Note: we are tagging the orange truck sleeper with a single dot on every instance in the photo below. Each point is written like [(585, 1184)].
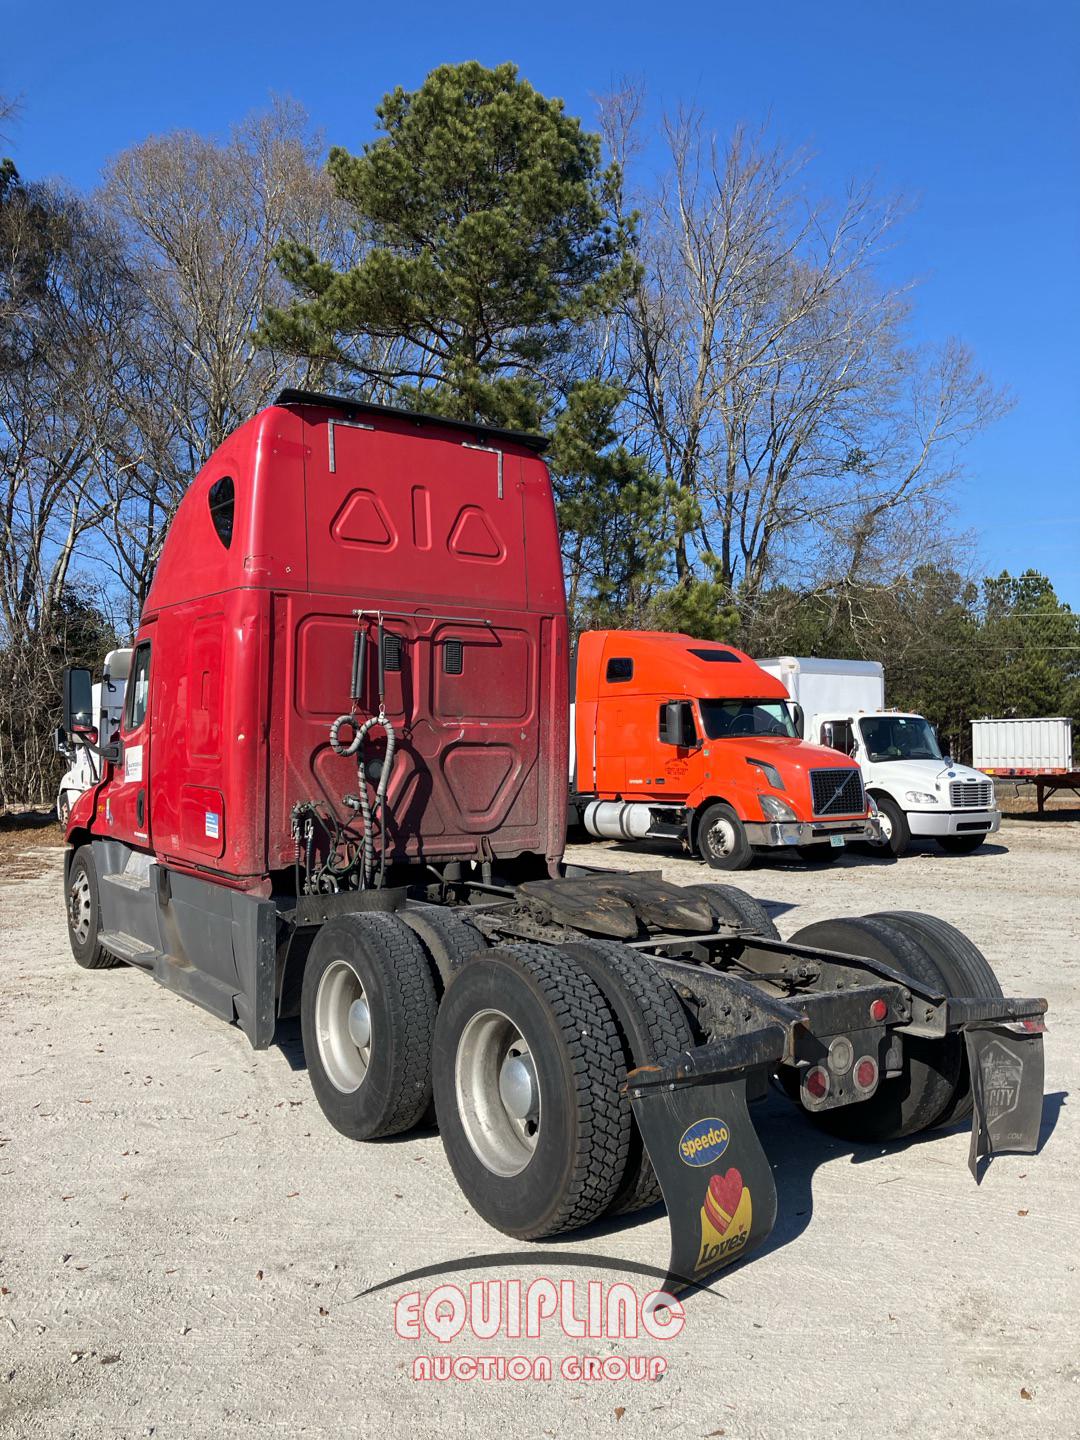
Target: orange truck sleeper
[(691, 740)]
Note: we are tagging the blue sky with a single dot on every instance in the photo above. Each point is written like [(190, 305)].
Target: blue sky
[(970, 109)]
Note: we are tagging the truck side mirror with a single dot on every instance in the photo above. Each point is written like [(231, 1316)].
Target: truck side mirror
[(799, 718), (679, 724), (78, 702)]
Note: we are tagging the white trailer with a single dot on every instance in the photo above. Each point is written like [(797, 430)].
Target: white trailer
[(84, 766), (1039, 750), (1023, 747), (918, 790)]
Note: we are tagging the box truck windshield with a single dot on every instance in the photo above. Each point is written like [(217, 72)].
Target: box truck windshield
[(899, 737), (725, 718)]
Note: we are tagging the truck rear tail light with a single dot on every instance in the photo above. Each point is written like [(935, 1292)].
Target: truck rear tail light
[(841, 1054), (878, 1010), (816, 1084), (866, 1075)]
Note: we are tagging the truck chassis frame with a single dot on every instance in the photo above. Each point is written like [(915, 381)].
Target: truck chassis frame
[(831, 1026)]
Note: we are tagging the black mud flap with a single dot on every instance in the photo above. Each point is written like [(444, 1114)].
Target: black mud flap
[(1006, 1063), (716, 1179)]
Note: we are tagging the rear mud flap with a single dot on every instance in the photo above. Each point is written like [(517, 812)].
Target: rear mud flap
[(716, 1179), (1006, 1065)]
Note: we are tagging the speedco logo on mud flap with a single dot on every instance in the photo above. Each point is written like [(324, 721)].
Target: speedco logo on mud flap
[(726, 1217), (704, 1141)]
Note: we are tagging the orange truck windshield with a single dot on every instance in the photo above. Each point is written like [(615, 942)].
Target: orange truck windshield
[(726, 719)]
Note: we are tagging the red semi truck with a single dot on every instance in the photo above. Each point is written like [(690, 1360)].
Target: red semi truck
[(690, 740), (339, 790)]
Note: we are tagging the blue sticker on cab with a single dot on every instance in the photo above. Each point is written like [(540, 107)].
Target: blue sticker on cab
[(704, 1141)]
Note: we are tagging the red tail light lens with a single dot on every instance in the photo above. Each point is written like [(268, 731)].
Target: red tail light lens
[(878, 1011), (866, 1074), (816, 1082)]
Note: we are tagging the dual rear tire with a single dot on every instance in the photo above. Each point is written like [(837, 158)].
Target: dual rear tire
[(933, 1088), (524, 1049)]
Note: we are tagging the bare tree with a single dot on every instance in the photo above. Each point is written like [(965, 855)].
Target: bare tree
[(769, 375), (66, 307), (202, 220)]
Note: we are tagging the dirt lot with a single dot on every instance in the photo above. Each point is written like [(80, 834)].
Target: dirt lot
[(184, 1242)]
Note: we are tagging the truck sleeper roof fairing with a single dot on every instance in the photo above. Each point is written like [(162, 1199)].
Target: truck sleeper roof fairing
[(538, 443), (669, 664)]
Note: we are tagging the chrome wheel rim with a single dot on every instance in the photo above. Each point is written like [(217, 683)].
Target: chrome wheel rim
[(498, 1095), (885, 824), (343, 1027), (721, 837), (79, 907)]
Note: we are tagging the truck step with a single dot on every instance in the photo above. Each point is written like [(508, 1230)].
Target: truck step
[(127, 947), (129, 879)]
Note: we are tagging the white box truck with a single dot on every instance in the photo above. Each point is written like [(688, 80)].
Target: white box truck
[(918, 791)]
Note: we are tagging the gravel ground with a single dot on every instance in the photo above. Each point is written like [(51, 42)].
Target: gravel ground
[(184, 1242)]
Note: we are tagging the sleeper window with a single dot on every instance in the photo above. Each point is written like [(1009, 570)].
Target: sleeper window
[(138, 687), (222, 500)]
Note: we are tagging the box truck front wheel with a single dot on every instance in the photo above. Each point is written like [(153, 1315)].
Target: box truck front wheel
[(367, 1015), (895, 833), (84, 913), (721, 839), (527, 1068)]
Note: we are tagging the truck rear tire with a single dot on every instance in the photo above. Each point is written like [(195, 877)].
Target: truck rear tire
[(735, 907), (367, 1016), (960, 844), (448, 939), (966, 971), (527, 1067), (895, 831), (917, 1098), (84, 913), (721, 839), (652, 1026)]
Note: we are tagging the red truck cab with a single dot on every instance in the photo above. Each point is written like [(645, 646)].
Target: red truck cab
[(691, 740), (332, 559)]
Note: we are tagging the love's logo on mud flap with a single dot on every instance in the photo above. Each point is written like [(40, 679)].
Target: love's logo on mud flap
[(726, 1217), (704, 1141)]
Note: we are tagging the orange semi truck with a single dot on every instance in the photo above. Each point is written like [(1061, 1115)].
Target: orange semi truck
[(691, 741)]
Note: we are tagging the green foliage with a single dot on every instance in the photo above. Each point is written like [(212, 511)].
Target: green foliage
[(490, 235), (952, 651), (696, 607), (612, 510)]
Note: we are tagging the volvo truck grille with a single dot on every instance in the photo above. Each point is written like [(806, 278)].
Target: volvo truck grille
[(837, 792)]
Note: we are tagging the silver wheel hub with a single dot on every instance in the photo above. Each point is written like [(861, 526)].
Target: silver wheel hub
[(498, 1094), (343, 1027), (79, 907), (517, 1087), (722, 837), (360, 1024)]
